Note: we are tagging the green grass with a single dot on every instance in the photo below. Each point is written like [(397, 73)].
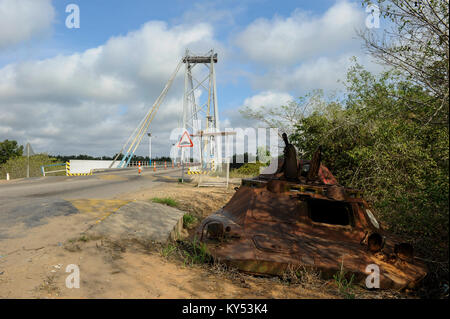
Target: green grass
[(168, 250), (166, 201), (345, 286), (190, 252), (83, 238), (196, 252), (189, 220)]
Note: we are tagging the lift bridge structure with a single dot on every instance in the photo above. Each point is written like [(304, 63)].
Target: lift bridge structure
[(198, 109)]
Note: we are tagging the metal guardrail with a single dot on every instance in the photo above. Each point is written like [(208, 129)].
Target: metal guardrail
[(55, 171), (157, 168)]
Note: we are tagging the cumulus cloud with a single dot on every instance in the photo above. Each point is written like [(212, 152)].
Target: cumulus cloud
[(90, 102), (283, 41), (305, 51), (255, 133), (232, 118), (268, 99), (21, 20), (327, 73)]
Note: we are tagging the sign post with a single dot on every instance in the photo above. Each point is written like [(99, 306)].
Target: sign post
[(185, 141)]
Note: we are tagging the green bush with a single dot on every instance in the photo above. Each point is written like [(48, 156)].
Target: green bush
[(247, 170)]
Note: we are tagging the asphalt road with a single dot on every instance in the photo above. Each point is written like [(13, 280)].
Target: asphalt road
[(30, 202)]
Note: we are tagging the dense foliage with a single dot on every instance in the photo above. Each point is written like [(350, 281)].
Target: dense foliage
[(375, 141), (9, 149)]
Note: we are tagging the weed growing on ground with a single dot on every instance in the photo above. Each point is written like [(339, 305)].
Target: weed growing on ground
[(189, 220), (83, 238), (166, 201), (345, 286), (196, 253), (191, 253), (304, 276), (168, 250)]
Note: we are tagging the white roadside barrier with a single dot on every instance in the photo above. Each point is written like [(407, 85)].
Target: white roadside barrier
[(85, 167)]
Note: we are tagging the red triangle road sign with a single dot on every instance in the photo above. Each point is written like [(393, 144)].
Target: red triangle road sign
[(185, 140)]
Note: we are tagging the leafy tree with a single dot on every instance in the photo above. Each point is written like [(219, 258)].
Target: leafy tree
[(417, 45), (284, 117), (9, 149)]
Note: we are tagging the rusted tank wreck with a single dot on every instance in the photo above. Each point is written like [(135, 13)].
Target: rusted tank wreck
[(302, 216)]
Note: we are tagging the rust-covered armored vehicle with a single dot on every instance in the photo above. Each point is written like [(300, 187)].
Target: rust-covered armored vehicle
[(301, 216)]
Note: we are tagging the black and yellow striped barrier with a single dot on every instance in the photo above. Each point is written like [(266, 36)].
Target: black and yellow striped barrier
[(197, 172), (68, 173)]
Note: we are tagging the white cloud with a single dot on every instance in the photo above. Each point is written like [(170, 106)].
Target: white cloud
[(282, 41), (305, 51), (233, 119), (268, 99), (74, 104), (21, 20), (89, 102), (325, 73)]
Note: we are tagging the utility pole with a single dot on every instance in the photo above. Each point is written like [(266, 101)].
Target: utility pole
[(28, 160), (29, 151)]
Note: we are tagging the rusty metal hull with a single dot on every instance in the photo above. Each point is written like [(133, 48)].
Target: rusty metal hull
[(269, 225)]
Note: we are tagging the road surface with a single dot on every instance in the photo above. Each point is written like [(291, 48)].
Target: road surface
[(31, 202), (44, 220)]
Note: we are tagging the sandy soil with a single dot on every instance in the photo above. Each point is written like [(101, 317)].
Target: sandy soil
[(36, 265)]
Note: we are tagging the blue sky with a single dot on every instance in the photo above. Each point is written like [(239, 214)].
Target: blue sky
[(83, 90)]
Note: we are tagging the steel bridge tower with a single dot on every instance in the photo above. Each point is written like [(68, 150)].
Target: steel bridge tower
[(200, 115), (201, 111)]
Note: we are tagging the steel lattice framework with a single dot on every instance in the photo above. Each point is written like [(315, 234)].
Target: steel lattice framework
[(196, 106), (200, 112)]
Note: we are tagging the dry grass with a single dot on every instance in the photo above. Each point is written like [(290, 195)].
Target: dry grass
[(306, 277)]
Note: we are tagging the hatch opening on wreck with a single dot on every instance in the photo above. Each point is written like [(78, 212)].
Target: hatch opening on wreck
[(330, 212)]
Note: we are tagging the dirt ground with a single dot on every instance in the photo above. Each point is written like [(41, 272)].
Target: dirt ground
[(36, 267)]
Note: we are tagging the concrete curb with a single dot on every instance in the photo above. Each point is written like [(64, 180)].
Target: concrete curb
[(142, 221)]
